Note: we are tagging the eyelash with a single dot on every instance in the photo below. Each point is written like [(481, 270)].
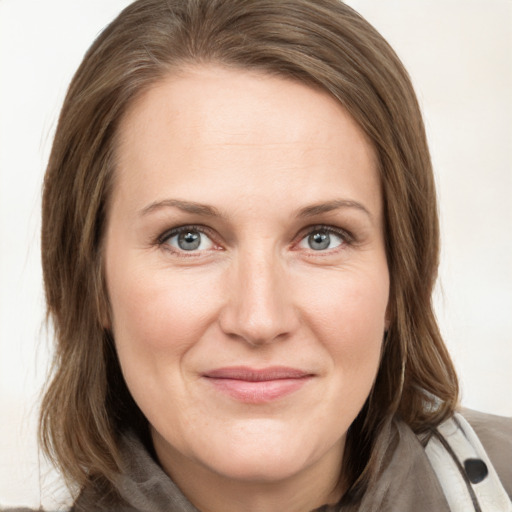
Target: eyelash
[(346, 237), (167, 235)]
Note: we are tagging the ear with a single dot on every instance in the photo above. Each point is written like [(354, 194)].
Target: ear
[(389, 316), (103, 308), (102, 302), (103, 312), (105, 318)]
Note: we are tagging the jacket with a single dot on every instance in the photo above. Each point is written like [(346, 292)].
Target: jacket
[(407, 480)]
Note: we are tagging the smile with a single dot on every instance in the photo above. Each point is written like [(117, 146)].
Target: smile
[(256, 386)]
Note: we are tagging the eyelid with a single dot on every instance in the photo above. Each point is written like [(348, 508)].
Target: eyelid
[(166, 235), (346, 236)]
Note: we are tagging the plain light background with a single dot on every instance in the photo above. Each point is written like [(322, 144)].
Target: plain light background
[(459, 54)]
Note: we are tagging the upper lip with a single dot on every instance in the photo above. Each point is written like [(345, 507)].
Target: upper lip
[(257, 374)]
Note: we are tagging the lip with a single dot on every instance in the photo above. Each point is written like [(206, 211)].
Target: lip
[(256, 386)]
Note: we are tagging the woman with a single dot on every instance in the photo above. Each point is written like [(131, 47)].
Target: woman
[(240, 242)]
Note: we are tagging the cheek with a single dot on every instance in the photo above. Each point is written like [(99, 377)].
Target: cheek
[(348, 315), (159, 313), (347, 298), (158, 318)]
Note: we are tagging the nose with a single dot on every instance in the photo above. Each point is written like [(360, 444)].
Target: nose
[(259, 308)]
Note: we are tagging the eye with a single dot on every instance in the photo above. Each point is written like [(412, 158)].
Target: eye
[(321, 239), (188, 239)]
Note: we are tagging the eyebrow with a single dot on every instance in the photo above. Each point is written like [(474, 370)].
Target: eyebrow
[(186, 206), (211, 211), (329, 206)]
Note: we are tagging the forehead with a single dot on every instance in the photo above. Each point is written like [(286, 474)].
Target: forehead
[(246, 130)]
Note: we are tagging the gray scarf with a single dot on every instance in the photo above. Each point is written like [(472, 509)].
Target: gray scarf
[(405, 481)]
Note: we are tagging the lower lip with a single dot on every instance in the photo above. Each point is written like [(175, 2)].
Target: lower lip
[(259, 392)]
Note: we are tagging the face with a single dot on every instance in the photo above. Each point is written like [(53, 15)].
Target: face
[(246, 273)]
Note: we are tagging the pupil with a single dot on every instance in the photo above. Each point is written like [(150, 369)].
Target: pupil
[(189, 240), (319, 241)]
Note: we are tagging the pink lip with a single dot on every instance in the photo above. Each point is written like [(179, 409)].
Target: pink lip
[(256, 386)]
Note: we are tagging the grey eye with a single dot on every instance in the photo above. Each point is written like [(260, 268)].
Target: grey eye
[(320, 240), (190, 240)]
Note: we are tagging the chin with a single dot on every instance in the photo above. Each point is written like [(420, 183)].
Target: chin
[(258, 466), (269, 452)]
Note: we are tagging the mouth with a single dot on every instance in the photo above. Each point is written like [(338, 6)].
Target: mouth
[(256, 386)]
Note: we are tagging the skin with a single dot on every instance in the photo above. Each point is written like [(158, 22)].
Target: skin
[(260, 151)]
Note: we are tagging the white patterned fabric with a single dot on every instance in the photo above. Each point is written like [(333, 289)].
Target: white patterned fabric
[(451, 451)]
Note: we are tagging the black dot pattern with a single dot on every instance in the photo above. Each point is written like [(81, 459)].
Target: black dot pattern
[(476, 470)]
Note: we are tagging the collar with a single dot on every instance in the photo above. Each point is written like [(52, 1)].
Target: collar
[(404, 480)]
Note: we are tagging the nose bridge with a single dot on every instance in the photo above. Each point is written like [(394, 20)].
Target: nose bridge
[(260, 308)]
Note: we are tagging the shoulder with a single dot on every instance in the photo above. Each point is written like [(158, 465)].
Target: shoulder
[(21, 509), (470, 454), (495, 434), (489, 427)]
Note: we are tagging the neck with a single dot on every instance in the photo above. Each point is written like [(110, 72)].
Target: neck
[(262, 498)]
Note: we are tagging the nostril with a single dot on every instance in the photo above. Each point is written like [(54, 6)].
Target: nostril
[(258, 307)]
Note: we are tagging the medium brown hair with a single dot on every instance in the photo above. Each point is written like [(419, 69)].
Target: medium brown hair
[(323, 43)]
